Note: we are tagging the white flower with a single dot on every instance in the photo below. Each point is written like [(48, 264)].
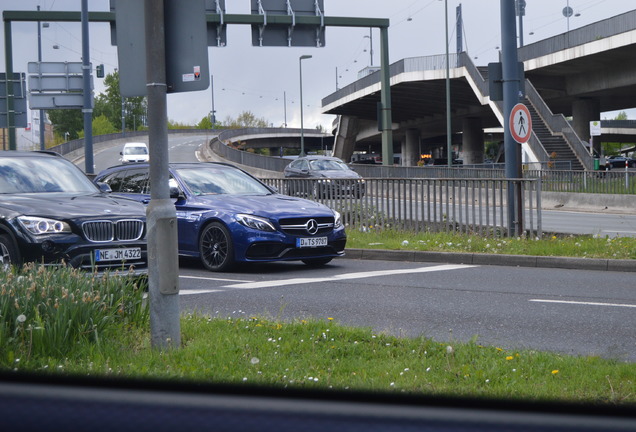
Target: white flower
[(21, 318), (244, 379), (449, 349), (405, 243), (255, 360)]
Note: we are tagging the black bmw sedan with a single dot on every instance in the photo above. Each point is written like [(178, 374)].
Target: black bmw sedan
[(51, 213)]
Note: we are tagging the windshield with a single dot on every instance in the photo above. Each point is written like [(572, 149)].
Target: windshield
[(327, 165), (211, 180), (137, 150), (41, 174)]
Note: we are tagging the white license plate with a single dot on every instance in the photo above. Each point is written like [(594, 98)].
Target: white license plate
[(120, 254), (308, 242)]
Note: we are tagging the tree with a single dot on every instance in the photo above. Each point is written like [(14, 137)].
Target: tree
[(621, 116), (103, 126), (205, 123), (244, 120), (109, 104), (65, 121)]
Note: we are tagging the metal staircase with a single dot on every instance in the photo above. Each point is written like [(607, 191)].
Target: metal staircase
[(555, 146)]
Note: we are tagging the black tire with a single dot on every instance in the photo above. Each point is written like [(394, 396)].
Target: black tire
[(8, 253), (317, 262), (216, 248)]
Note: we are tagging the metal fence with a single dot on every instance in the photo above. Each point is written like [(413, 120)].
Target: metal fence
[(472, 206), (615, 181)]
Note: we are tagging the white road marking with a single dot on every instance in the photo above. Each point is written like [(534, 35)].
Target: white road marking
[(199, 291), (584, 303), (212, 279), (346, 276)]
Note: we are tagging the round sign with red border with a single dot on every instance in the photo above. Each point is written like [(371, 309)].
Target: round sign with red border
[(520, 123)]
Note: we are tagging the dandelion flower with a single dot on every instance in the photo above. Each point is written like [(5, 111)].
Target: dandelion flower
[(554, 372), (255, 360), (449, 349), (509, 358), (21, 318), (330, 319)]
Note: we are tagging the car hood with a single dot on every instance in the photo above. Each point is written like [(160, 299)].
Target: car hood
[(66, 206), (273, 206), (337, 174)]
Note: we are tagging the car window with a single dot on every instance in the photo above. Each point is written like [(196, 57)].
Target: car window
[(136, 150), (136, 181), (211, 180), (327, 165), (114, 180), (42, 175)]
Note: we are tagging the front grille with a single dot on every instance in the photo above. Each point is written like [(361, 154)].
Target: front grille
[(298, 226), (106, 230)]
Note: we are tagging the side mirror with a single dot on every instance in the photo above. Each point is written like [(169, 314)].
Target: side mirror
[(175, 192), (104, 187)]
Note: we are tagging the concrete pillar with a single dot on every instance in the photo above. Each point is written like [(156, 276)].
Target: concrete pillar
[(473, 141), (345, 139), (411, 147), (583, 112)]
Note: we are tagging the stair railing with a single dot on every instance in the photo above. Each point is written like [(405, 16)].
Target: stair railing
[(558, 125)]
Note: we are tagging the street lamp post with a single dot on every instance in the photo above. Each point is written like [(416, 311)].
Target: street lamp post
[(41, 125), (302, 134), (449, 141)]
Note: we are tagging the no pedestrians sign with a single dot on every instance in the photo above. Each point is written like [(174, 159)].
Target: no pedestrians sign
[(520, 123)]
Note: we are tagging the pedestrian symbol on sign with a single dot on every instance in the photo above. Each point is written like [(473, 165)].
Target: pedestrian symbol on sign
[(520, 123)]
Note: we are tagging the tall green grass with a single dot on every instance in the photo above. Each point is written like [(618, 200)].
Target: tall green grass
[(49, 312)]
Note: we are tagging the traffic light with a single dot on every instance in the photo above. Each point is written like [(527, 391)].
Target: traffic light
[(99, 69)]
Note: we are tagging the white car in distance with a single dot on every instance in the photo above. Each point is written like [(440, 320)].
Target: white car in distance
[(134, 152)]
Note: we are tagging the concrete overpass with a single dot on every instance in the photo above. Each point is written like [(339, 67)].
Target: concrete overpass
[(578, 74)]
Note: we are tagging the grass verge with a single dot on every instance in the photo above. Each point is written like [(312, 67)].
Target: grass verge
[(551, 245)]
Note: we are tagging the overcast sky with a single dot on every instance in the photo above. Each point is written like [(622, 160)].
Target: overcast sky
[(260, 79)]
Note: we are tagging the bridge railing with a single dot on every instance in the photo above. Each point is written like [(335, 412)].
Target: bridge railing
[(470, 206)]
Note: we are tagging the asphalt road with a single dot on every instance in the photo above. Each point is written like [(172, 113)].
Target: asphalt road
[(569, 311)]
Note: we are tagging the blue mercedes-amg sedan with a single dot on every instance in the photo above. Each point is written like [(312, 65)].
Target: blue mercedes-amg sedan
[(226, 216)]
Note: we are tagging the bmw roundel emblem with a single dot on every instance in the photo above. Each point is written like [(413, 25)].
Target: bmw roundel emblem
[(312, 226)]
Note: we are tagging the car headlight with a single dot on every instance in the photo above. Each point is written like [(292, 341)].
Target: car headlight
[(39, 225), (337, 221), (255, 222), (324, 181)]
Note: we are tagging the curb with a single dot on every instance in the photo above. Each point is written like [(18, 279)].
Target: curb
[(494, 259)]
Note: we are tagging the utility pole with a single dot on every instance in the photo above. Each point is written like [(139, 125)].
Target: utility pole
[(163, 260), (41, 125), (511, 85), (88, 103)]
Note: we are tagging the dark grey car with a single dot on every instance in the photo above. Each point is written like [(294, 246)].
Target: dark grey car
[(323, 177)]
